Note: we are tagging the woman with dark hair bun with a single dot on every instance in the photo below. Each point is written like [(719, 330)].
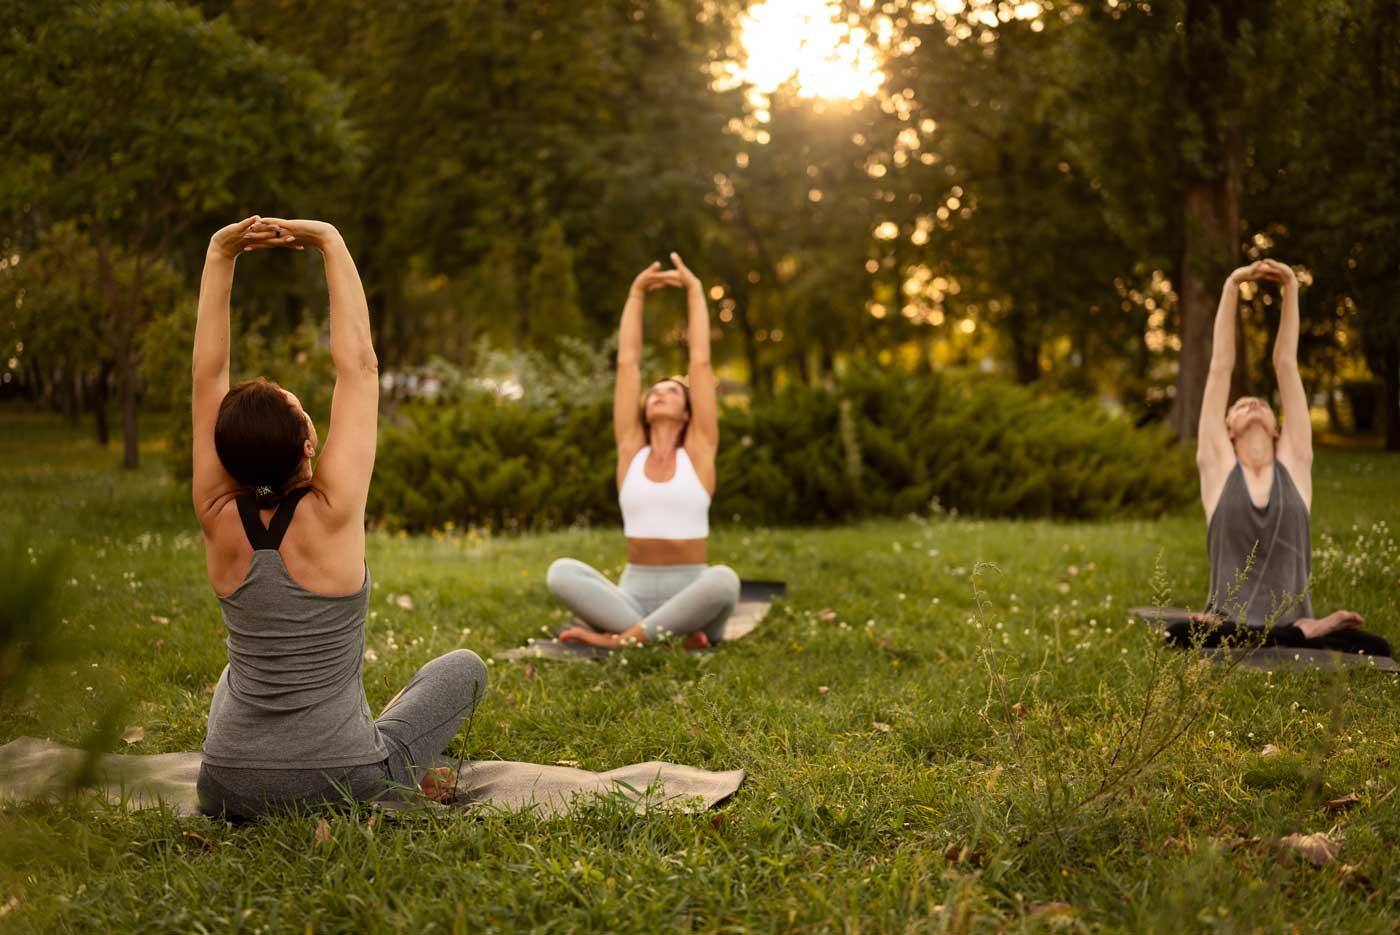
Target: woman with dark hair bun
[(666, 445), (289, 725)]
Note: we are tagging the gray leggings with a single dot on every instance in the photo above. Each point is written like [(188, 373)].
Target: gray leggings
[(416, 727), (677, 599)]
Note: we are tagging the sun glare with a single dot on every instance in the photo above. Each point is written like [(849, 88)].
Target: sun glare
[(808, 42)]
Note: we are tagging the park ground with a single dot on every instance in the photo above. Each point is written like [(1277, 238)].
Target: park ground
[(949, 724)]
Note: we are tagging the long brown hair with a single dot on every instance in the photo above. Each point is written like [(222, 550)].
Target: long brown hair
[(260, 438)]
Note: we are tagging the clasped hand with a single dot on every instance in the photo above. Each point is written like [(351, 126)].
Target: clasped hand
[(263, 233)]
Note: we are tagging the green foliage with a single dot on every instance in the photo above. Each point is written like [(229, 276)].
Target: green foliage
[(552, 299), (908, 445), (884, 793)]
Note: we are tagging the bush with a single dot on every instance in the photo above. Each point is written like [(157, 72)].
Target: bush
[(882, 443)]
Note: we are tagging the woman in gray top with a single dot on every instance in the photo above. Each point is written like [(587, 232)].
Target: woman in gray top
[(1256, 487), (289, 725)]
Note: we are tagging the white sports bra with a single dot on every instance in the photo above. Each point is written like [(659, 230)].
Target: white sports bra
[(676, 509)]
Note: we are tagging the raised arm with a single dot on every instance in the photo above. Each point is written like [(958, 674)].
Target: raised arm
[(1295, 441), (702, 438), (209, 370), (347, 459), (1215, 454), (627, 391)]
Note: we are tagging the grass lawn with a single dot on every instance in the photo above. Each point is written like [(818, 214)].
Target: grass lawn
[(918, 761)]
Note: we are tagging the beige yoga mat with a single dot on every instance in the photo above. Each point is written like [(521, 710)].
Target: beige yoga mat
[(755, 598), (33, 769)]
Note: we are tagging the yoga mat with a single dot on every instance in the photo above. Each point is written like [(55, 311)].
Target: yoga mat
[(32, 769), (755, 597), (1269, 658)]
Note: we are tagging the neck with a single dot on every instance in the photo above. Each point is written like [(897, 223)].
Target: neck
[(665, 437), (1255, 448)]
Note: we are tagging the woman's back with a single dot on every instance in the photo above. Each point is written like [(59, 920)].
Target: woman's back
[(292, 694)]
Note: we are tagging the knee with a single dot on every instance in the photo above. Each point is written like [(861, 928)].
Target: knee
[(467, 670), (725, 582), (560, 571)]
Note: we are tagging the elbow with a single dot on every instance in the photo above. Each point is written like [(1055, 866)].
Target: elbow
[(358, 363), (1285, 363)]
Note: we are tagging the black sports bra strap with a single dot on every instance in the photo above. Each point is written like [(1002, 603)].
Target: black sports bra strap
[(269, 536)]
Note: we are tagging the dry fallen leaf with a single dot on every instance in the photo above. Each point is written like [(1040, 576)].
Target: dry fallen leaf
[(163, 621), (1018, 709), (827, 614), (881, 726), (1343, 803), (323, 832), (134, 734), (9, 906), (823, 689), (1269, 750), (1318, 849), (529, 671), (1351, 876), (1051, 909), (373, 820)]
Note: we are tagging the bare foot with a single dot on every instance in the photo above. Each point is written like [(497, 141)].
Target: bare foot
[(591, 637), (438, 784), (1337, 620), (697, 640)]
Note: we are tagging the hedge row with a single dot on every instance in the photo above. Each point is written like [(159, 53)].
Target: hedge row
[(879, 444)]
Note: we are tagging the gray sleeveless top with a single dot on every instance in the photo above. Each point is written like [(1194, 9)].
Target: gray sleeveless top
[(1279, 579), (292, 695)]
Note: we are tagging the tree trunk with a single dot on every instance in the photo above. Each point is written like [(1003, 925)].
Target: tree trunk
[(99, 402), (1211, 247), (126, 380), (1026, 351), (1334, 418), (67, 383), (741, 315), (1390, 397)]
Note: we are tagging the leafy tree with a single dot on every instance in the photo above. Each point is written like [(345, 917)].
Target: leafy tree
[(139, 121), (553, 301)]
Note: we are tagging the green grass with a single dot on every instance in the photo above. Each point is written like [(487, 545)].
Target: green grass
[(982, 805)]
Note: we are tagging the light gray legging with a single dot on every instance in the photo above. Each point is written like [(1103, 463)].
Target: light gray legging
[(677, 599)]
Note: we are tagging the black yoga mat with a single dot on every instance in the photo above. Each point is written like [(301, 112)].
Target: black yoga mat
[(1269, 658)]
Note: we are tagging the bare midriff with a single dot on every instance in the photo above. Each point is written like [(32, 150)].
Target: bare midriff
[(666, 551)]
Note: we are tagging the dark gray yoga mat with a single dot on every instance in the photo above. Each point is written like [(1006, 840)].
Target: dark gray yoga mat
[(1269, 658), (32, 769), (755, 597)]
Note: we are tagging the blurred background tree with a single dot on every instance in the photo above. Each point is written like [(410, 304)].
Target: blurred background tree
[(1050, 192)]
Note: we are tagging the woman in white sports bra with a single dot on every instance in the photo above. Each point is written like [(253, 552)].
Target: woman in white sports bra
[(666, 448)]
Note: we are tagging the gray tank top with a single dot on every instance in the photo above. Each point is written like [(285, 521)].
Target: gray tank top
[(292, 695), (1282, 561)]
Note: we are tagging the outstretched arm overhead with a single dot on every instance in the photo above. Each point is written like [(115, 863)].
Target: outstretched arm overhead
[(627, 391), (1295, 441), (702, 438), (1215, 455), (347, 459), (209, 369)]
